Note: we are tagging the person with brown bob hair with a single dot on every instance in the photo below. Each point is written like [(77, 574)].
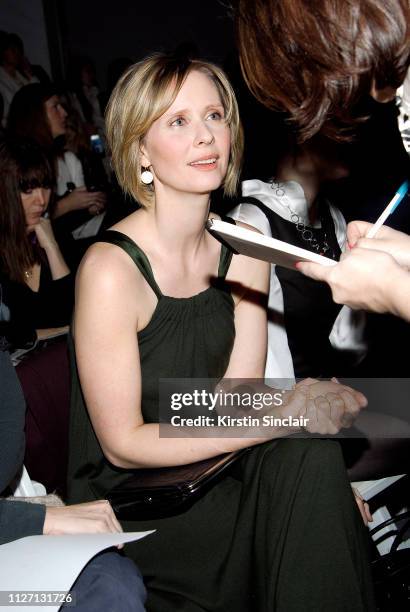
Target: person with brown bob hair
[(159, 297), (315, 60)]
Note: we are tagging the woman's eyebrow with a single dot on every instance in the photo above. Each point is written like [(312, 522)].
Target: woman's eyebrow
[(187, 110), (176, 112), (214, 105)]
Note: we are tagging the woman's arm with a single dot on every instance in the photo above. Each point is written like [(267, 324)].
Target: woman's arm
[(47, 241), (19, 519), (80, 199), (249, 279)]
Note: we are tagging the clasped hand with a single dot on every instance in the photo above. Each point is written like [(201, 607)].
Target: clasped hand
[(327, 406)]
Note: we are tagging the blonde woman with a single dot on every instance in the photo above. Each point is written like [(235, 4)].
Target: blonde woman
[(160, 298)]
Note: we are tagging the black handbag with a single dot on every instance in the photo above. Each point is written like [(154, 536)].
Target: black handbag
[(160, 492)]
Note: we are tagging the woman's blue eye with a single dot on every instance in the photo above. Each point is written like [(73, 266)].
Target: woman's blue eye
[(178, 121), (215, 115)]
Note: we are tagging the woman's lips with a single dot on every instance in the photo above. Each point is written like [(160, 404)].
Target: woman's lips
[(207, 163)]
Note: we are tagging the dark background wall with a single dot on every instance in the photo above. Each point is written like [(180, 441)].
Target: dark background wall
[(107, 29)]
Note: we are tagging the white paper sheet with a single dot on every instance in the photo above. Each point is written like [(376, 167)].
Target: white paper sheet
[(262, 247), (51, 563)]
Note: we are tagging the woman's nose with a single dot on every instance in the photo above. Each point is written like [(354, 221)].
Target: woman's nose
[(41, 196), (204, 134)]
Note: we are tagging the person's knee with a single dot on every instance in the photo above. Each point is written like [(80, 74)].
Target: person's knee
[(111, 581)]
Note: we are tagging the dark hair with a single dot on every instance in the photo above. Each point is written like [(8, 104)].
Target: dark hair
[(316, 59), (23, 166), (6, 42), (27, 119)]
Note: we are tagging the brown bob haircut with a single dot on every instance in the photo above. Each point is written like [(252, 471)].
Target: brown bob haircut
[(144, 93), (314, 59)]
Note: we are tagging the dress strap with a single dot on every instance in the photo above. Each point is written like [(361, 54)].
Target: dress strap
[(137, 255), (226, 254)]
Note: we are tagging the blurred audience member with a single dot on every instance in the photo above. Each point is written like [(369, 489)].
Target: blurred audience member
[(308, 335), (30, 259), (78, 142), (109, 581), (82, 82), (32, 72), (37, 114), (11, 78)]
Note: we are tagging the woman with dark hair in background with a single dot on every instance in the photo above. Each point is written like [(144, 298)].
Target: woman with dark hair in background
[(41, 286), (37, 114)]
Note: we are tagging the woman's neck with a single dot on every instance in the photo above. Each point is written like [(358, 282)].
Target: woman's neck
[(302, 170), (179, 220)]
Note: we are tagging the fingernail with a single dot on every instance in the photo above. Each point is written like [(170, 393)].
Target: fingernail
[(364, 399)]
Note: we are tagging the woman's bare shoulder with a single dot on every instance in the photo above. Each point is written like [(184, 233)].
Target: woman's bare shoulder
[(108, 267)]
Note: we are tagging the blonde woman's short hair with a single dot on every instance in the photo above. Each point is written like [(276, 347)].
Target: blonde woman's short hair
[(144, 93)]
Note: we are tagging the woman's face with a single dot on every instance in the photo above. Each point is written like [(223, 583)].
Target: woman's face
[(188, 147), (35, 202), (56, 116)]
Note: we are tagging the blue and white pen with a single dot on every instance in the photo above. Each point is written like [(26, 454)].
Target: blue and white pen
[(391, 206)]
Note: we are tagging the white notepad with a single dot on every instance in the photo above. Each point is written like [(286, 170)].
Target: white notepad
[(254, 244)]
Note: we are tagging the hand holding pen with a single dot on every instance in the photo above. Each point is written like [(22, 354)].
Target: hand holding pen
[(373, 273), (391, 241)]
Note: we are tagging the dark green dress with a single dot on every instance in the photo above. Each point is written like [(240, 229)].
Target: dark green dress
[(280, 532)]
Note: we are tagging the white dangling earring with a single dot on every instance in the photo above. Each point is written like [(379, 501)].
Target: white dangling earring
[(147, 177)]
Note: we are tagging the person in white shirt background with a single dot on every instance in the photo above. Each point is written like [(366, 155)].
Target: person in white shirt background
[(11, 79)]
